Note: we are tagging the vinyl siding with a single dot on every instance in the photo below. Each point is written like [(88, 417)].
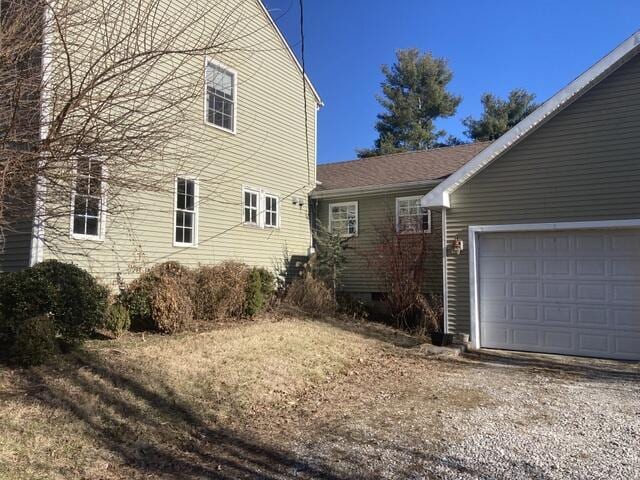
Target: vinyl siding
[(583, 164), (375, 213), (268, 151)]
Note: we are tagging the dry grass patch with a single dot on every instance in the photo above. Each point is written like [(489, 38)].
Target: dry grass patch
[(166, 406)]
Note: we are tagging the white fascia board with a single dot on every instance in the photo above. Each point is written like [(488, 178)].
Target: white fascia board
[(293, 55), (439, 196)]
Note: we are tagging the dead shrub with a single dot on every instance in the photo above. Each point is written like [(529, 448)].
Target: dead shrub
[(311, 296), (153, 298), (171, 309), (221, 291)]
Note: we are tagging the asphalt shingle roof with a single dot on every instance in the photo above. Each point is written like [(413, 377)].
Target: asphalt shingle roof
[(434, 164)]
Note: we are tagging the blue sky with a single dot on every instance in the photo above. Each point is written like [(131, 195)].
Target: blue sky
[(491, 46)]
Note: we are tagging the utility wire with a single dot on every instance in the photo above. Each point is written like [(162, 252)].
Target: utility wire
[(304, 93)]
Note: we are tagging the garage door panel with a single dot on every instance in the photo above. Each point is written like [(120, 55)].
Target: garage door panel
[(574, 292)]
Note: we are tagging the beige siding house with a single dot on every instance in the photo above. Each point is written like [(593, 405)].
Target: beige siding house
[(549, 217), (368, 197), (243, 192)]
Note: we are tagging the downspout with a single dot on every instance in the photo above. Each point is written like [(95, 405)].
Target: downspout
[(445, 292), (36, 254)]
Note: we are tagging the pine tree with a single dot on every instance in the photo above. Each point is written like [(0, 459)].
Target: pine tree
[(414, 95), (499, 115), (330, 256)]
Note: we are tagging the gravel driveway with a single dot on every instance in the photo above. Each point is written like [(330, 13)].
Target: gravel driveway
[(489, 415)]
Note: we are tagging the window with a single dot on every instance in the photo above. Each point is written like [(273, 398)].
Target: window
[(270, 211), (88, 200), (343, 218), (250, 200), (220, 96), (411, 216), (186, 206)]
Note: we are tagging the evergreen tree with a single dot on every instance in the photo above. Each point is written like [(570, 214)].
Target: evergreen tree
[(414, 95), (499, 115), (330, 257)]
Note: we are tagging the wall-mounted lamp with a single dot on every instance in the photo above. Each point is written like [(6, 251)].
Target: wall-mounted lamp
[(457, 246)]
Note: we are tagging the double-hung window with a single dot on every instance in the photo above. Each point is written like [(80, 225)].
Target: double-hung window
[(220, 96), (343, 218), (88, 200), (270, 211), (250, 207), (411, 216), (186, 202)]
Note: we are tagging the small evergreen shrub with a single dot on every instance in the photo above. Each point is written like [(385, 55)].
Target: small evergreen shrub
[(74, 300), (117, 319), (255, 295), (35, 341)]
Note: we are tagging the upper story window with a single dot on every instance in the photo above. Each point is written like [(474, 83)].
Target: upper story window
[(88, 200), (270, 211), (186, 202), (343, 218), (250, 206), (221, 96), (411, 216)]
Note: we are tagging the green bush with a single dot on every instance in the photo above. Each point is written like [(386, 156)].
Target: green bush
[(255, 297), (117, 319), (260, 290), (70, 295), (35, 341)]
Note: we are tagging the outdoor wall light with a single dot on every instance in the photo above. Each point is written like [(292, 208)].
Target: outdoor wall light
[(457, 246)]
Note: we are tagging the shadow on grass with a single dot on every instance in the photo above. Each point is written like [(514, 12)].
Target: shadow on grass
[(588, 368), (154, 433)]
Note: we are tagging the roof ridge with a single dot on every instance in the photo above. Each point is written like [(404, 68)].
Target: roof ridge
[(445, 147)]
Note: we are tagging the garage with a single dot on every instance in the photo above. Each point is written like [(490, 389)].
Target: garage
[(574, 292)]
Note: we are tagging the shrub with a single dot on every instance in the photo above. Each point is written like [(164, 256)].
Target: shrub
[(152, 299), (311, 296), (70, 295), (35, 341), (171, 308), (117, 319), (268, 282), (255, 296), (221, 291)]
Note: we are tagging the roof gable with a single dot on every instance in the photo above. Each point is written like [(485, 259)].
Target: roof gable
[(291, 54), (440, 196)]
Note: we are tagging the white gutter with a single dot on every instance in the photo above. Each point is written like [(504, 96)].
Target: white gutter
[(439, 196), (371, 189), (36, 252)]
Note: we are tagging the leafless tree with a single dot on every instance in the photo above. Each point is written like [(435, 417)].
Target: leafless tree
[(98, 90), (400, 259)]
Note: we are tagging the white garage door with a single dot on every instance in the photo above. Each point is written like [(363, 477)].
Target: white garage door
[(573, 292)]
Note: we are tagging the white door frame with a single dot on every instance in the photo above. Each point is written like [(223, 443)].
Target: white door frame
[(475, 230)]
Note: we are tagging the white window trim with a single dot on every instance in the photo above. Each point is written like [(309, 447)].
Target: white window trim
[(345, 204), (207, 62), (257, 192), (196, 210), (264, 210), (102, 220), (414, 197)]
